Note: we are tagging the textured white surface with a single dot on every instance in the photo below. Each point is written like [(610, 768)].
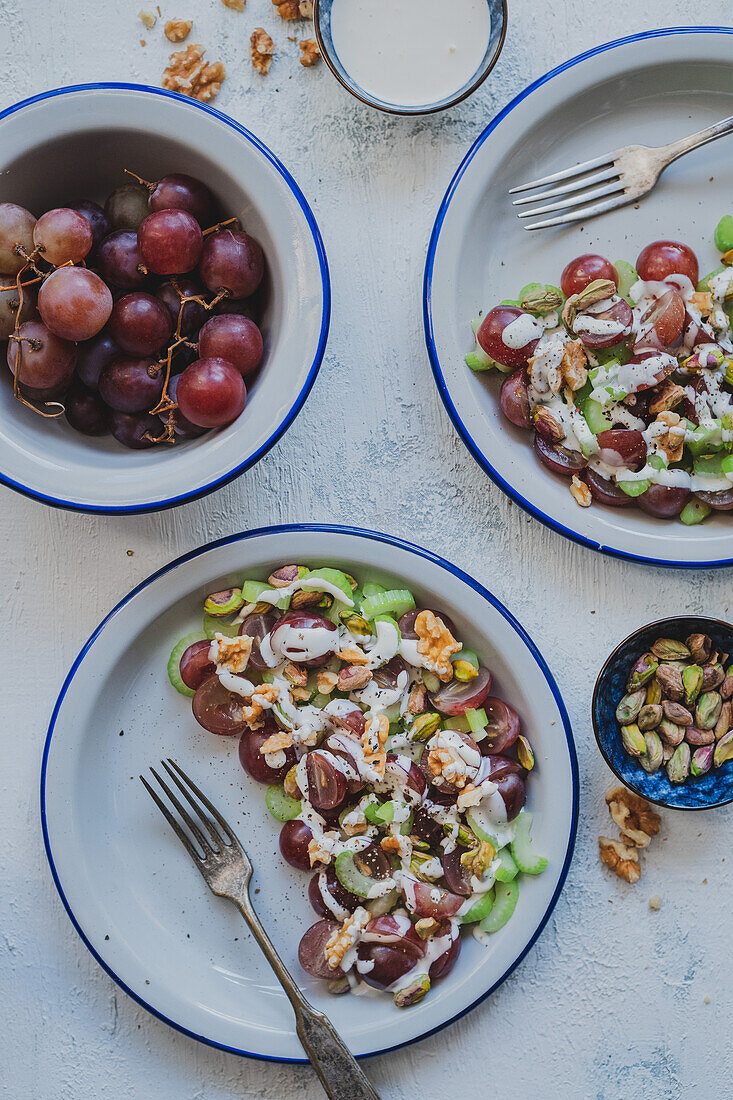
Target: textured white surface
[(611, 1002)]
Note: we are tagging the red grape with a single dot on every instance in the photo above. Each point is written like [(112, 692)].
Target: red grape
[(388, 675), (405, 775), (720, 501), (244, 307), (295, 836), (131, 385), (16, 235), (585, 269), (63, 236), (390, 964), (457, 876), (183, 428), (514, 794), (218, 710), (74, 303), (232, 261), (333, 887), (233, 338), (96, 217), (194, 314), (559, 459), (352, 720), (514, 399), (457, 697), (46, 361), (622, 447), (127, 206), (663, 501), (605, 491), (446, 904), (131, 429), (10, 302), (295, 621), (257, 626), (619, 314), (195, 665), (663, 321), (390, 930), (327, 786), (502, 728), (93, 355), (255, 763), (445, 962), (120, 261), (86, 412), (496, 768), (211, 393), (180, 192), (662, 258), (312, 950), (140, 324), (170, 242), (492, 335)]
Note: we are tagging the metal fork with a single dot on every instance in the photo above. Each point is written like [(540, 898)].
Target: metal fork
[(623, 176), (227, 872)]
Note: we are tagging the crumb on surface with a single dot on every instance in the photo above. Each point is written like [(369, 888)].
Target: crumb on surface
[(148, 19), (655, 903), (235, 5)]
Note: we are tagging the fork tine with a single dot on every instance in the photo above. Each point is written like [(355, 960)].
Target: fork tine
[(187, 819), (185, 840), (567, 188), (566, 173), (584, 212), (575, 200), (229, 835), (211, 832)]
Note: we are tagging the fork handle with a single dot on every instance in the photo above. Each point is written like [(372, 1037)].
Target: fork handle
[(693, 141), (338, 1070)]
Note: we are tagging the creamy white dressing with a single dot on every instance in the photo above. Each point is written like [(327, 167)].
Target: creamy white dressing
[(521, 331), (385, 646), (313, 582), (410, 52), (300, 643)]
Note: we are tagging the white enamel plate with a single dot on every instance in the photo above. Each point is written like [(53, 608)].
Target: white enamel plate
[(130, 888), (649, 89)]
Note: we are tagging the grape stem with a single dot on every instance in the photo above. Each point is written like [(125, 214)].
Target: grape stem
[(145, 183)]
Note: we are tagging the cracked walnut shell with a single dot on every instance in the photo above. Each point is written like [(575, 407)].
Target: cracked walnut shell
[(261, 49), (190, 75), (636, 820), (623, 860)]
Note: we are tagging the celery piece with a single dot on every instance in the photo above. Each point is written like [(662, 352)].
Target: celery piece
[(174, 662), (727, 465), (475, 826), (396, 602), (281, 805), (710, 465), (596, 417), (253, 590), (704, 283), (507, 869), (480, 908), (523, 854), (627, 276), (723, 236), (213, 626), (636, 488), (312, 580), (477, 723), (694, 512), (371, 589), (458, 722), (505, 902)]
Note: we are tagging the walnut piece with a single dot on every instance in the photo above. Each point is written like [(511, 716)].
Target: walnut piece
[(469, 796), (319, 851), (261, 49), (190, 75), (448, 760), (309, 52), (306, 9), (352, 656), (148, 18), (326, 681), (265, 693), (288, 9), (574, 365), (667, 395), (277, 742), (580, 492), (671, 441), (232, 654), (623, 860), (235, 5), (636, 820), (436, 645), (703, 300), (176, 30), (346, 936), (373, 741)]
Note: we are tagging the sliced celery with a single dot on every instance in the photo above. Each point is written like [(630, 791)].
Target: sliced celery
[(477, 723), (213, 626), (371, 589), (596, 417), (395, 602), (505, 902), (507, 869), (476, 827), (627, 276), (704, 283), (311, 581), (457, 722), (694, 512), (174, 662), (523, 854), (252, 591), (281, 805), (480, 908)]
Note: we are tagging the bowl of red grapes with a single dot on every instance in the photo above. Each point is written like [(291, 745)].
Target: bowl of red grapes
[(141, 304)]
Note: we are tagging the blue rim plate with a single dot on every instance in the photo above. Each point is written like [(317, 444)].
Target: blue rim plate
[(70, 835), (465, 199), (312, 371)]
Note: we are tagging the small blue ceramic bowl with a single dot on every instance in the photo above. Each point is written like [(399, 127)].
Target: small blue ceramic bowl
[(322, 21), (698, 792)]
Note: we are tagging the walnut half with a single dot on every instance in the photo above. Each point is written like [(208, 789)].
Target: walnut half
[(190, 75), (261, 49), (623, 860), (309, 52), (636, 820)]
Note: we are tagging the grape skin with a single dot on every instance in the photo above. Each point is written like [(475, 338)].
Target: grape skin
[(74, 303)]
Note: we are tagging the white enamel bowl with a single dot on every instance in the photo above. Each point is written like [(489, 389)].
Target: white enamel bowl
[(74, 143), (130, 888), (651, 89)]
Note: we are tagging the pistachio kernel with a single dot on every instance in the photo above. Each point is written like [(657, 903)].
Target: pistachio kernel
[(413, 993), (713, 676), (357, 624), (290, 783), (226, 602), (707, 711), (700, 647), (702, 760), (630, 706), (678, 766), (643, 670), (596, 291), (649, 717), (725, 721), (671, 732), (464, 671), (651, 760), (696, 736), (654, 693), (464, 836), (542, 299), (424, 726), (633, 740), (723, 750), (668, 649), (676, 713), (352, 581), (726, 688), (525, 753)]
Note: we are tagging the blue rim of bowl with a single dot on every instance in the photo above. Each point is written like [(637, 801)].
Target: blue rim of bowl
[(451, 409), (665, 627), (346, 80), (378, 537), (184, 498)]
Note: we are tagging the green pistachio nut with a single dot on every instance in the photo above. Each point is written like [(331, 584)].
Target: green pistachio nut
[(712, 676), (695, 736), (671, 732), (357, 624), (725, 721), (424, 726), (412, 993), (642, 671), (654, 693), (726, 688), (670, 682), (633, 740), (227, 602), (337, 986), (525, 753), (692, 682), (678, 766), (464, 836), (541, 299), (650, 716), (651, 760), (668, 649), (707, 711), (724, 750), (702, 760), (630, 705), (464, 671)]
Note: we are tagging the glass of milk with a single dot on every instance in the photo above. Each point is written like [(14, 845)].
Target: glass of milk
[(410, 57)]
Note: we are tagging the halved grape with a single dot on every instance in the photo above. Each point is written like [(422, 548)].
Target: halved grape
[(559, 459), (211, 393), (333, 887), (233, 338), (233, 261), (496, 767), (503, 346), (721, 501), (74, 303), (605, 491), (312, 950), (63, 236), (514, 793), (253, 761), (170, 242), (257, 626), (392, 931), (352, 720), (663, 501), (445, 962), (300, 620), (46, 361), (585, 269), (406, 775), (663, 258), (327, 786), (218, 710), (389, 964), (387, 676), (458, 697), (131, 385), (432, 901), (196, 665), (457, 876), (619, 313), (295, 836), (663, 322), (622, 447), (514, 399), (502, 727)]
